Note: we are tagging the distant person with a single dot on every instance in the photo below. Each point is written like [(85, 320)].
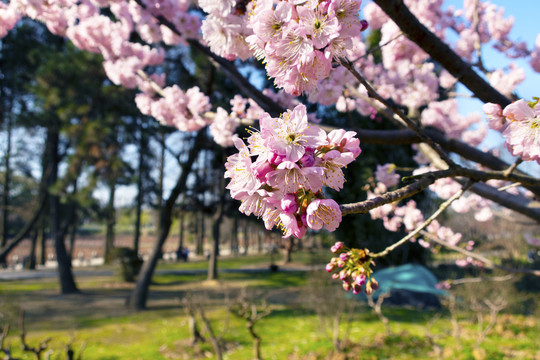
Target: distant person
[(185, 254)]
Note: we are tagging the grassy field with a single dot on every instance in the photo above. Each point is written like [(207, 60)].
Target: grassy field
[(304, 308)]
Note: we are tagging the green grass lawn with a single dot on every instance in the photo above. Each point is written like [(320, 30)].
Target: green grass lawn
[(295, 329)]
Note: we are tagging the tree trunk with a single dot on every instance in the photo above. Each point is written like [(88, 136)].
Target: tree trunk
[(111, 221), (256, 340), (139, 195), (139, 295), (7, 180), (234, 237), (160, 180), (74, 220), (218, 217), (199, 248), (289, 245), (246, 237), (65, 275), (259, 241), (32, 256), (42, 240), (180, 249)]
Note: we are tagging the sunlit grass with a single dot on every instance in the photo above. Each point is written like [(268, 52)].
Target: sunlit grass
[(292, 331)]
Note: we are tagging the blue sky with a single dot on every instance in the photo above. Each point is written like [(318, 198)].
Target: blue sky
[(526, 28)]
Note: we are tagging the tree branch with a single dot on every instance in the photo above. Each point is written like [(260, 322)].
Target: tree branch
[(488, 263), (397, 111), (416, 231), (440, 52)]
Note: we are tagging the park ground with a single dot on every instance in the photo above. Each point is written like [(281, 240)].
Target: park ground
[(305, 308)]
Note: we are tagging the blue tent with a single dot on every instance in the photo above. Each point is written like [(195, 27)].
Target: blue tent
[(410, 277), (409, 284)]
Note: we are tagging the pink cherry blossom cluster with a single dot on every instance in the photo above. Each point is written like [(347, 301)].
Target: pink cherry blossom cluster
[(519, 123), (174, 107), (445, 188), (224, 123), (386, 176), (298, 40), (408, 217), (124, 61), (445, 116), (280, 174), (8, 18), (353, 268), (224, 29)]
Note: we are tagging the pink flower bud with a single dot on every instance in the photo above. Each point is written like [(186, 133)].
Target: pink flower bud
[(330, 267), (335, 276), (344, 256), (347, 286), (356, 289), (337, 246), (343, 274), (360, 279), (307, 159)]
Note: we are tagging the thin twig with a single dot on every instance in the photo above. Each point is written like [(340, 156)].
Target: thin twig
[(416, 231), (487, 263), (372, 50), (410, 123), (480, 279), (512, 167)]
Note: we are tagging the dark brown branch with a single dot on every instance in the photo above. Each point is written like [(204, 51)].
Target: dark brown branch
[(511, 201), (24, 232), (228, 68), (441, 52), (392, 196)]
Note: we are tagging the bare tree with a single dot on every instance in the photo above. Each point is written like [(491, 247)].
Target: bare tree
[(251, 312)]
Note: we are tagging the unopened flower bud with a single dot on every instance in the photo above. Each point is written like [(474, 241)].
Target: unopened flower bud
[(330, 267), (356, 289), (368, 290), (335, 276), (307, 160), (337, 246), (343, 274), (344, 256), (374, 284), (347, 286), (360, 279)]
